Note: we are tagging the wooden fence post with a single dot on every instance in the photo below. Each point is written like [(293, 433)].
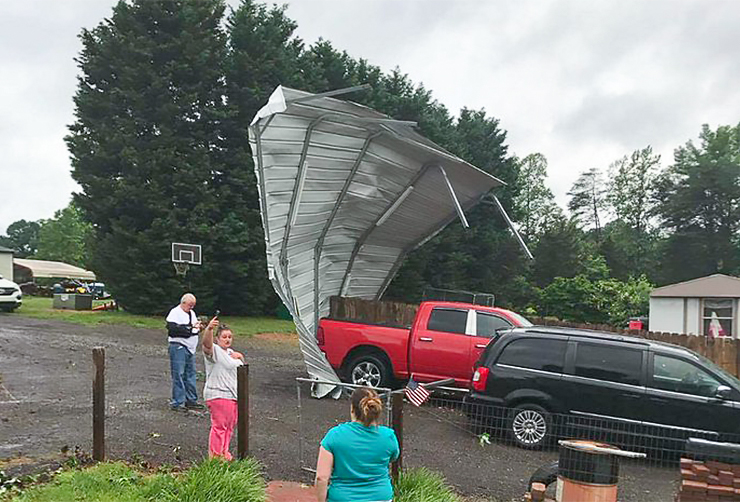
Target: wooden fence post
[(242, 391), (99, 404), (397, 424)]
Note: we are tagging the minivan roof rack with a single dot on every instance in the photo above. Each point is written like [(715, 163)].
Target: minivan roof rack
[(458, 295)]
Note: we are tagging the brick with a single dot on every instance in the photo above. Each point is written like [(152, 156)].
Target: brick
[(736, 470), (689, 474), (538, 492), (721, 490), (693, 486), (718, 466), (725, 478), (686, 463), (713, 479), (736, 482), (701, 470)]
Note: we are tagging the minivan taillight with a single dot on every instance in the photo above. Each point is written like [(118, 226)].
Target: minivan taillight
[(480, 378), (320, 335)]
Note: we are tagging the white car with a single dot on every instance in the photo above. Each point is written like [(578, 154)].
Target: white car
[(10, 295)]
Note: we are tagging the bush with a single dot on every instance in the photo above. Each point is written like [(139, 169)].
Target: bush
[(423, 485), (211, 481), (220, 481)]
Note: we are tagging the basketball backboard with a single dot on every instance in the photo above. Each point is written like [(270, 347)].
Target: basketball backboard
[(186, 253)]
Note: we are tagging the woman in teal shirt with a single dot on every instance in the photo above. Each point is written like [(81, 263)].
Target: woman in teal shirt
[(354, 456)]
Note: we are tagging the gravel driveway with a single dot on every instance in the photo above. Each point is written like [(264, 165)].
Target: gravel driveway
[(45, 406)]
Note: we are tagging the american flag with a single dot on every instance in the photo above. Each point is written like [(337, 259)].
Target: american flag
[(416, 393)]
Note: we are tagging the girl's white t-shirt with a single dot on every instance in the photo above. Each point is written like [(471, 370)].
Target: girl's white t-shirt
[(220, 374)]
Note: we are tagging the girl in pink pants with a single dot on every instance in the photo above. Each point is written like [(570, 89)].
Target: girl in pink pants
[(220, 389)]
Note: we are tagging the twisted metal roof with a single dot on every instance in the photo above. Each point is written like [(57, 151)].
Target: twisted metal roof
[(346, 193)]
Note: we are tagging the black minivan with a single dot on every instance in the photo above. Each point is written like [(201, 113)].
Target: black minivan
[(547, 382)]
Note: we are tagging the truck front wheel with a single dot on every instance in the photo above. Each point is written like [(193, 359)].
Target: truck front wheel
[(369, 370)]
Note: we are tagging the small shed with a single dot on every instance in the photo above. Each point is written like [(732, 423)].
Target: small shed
[(26, 270), (707, 306), (6, 263)]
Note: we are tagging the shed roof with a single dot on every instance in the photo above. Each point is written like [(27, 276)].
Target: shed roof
[(711, 286), (6, 250), (49, 269), (346, 193)]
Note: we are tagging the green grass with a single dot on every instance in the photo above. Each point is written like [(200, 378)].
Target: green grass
[(423, 485), (211, 481), (41, 308)]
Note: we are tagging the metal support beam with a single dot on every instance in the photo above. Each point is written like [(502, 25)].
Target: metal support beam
[(513, 228), (361, 241), (405, 252), (459, 210), (328, 94), (320, 242), (295, 199)]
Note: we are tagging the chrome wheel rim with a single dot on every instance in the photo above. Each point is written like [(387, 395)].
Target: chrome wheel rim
[(366, 373), (529, 427)]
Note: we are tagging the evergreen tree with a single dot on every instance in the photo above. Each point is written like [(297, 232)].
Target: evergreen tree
[(561, 251), (588, 200), (149, 148), (699, 206)]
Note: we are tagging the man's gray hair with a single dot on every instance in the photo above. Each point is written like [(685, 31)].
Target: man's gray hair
[(187, 297)]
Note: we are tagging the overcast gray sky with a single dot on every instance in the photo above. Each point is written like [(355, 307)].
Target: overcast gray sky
[(584, 82)]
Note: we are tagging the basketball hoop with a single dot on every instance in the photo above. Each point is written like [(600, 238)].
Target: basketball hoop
[(181, 268), (184, 255)]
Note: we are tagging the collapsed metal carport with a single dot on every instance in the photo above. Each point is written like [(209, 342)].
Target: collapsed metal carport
[(346, 193)]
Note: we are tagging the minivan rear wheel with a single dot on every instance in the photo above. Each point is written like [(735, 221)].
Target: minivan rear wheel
[(530, 426)]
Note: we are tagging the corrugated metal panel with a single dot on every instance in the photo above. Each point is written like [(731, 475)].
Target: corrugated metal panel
[(346, 193)]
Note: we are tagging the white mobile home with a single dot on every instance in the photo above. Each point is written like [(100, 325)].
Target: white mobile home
[(707, 306)]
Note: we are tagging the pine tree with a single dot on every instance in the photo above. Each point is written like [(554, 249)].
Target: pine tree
[(699, 206), (588, 200), (150, 149)]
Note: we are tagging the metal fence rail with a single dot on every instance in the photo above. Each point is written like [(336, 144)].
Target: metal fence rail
[(317, 416), (494, 452)]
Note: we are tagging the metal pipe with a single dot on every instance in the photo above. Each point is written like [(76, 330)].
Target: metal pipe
[(459, 210), (329, 94), (300, 425), (513, 228)]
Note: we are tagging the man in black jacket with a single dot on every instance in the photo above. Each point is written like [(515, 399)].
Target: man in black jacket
[(183, 328)]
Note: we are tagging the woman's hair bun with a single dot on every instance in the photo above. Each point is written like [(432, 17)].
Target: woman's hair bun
[(366, 405)]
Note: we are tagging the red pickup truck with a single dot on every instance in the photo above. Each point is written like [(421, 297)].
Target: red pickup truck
[(444, 341)]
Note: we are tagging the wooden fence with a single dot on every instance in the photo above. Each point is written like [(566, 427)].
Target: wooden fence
[(724, 352), (372, 312)]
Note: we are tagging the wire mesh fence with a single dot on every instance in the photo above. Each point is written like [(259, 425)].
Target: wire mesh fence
[(317, 416), (497, 452)]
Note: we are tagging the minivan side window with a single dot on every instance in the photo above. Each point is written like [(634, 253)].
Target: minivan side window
[(613, 364), (677, 375), (448, 320), (535, 353), (487, 324)]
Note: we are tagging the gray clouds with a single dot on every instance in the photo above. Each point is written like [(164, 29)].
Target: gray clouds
[(582, 82)]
